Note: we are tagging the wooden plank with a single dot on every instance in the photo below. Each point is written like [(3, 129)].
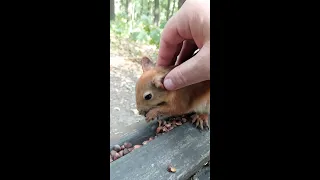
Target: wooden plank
[(202, 174), (142, 134), (185, 147)]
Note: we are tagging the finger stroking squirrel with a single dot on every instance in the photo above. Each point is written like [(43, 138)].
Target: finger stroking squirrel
[(153, 100)]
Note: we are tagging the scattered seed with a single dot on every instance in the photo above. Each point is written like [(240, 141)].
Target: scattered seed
[(111, 160), (174, 122), (170, 128), (184, 120), (178, 123), (121, 153), (116, 148), (159, 129), (168, 125), (160, 122), (145, 142), (171, 169), (125, 151), (113, 153), (151, 138), (164, 129), (130, 149), (127, 145), (122, 147), (136, 146), (116, 156)]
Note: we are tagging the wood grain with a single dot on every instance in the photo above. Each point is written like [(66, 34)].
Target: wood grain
[(185, 147)]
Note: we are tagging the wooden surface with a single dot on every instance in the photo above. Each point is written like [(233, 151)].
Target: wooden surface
[(185, 147), (203, 174), (140, 135)]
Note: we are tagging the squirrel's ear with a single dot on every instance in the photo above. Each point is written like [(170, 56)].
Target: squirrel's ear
[(146, 64), (159, 78), (158, 81)]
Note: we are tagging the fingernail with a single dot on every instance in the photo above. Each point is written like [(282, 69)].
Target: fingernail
[(168, 84)]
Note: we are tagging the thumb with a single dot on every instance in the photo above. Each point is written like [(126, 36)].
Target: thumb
[(192, 71)]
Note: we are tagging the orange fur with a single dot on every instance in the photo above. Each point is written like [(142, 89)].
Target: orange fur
[(193, 98)]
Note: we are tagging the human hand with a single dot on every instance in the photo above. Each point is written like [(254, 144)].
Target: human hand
[(185, 32)]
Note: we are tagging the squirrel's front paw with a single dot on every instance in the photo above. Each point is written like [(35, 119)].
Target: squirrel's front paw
[(151, 115), (202, 121)]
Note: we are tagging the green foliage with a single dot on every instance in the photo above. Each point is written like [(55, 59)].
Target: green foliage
[(138, 25)]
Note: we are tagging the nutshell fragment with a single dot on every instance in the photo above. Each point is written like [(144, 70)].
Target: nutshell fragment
[(172, 169), (136, 146)]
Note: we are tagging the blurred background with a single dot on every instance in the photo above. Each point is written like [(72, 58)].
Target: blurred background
[(135, 29)]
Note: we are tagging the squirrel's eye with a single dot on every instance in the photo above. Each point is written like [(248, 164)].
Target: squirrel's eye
[(148, 97)]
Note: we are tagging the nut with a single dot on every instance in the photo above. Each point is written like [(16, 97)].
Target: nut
[(116, 156), (125, 151), (121, 153), (127, 145), (113, 153), (184, 120), (136, 146), (178, 123), (159, 129), (164, 129), (171, 169), (116, 148), (174, 122)]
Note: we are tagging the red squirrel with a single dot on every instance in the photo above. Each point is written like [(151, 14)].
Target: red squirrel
[(153, 100)]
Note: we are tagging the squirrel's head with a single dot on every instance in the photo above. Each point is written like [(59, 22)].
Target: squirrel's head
[(150, 91)]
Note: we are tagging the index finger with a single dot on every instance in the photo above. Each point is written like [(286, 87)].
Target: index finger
[(173, 34)]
